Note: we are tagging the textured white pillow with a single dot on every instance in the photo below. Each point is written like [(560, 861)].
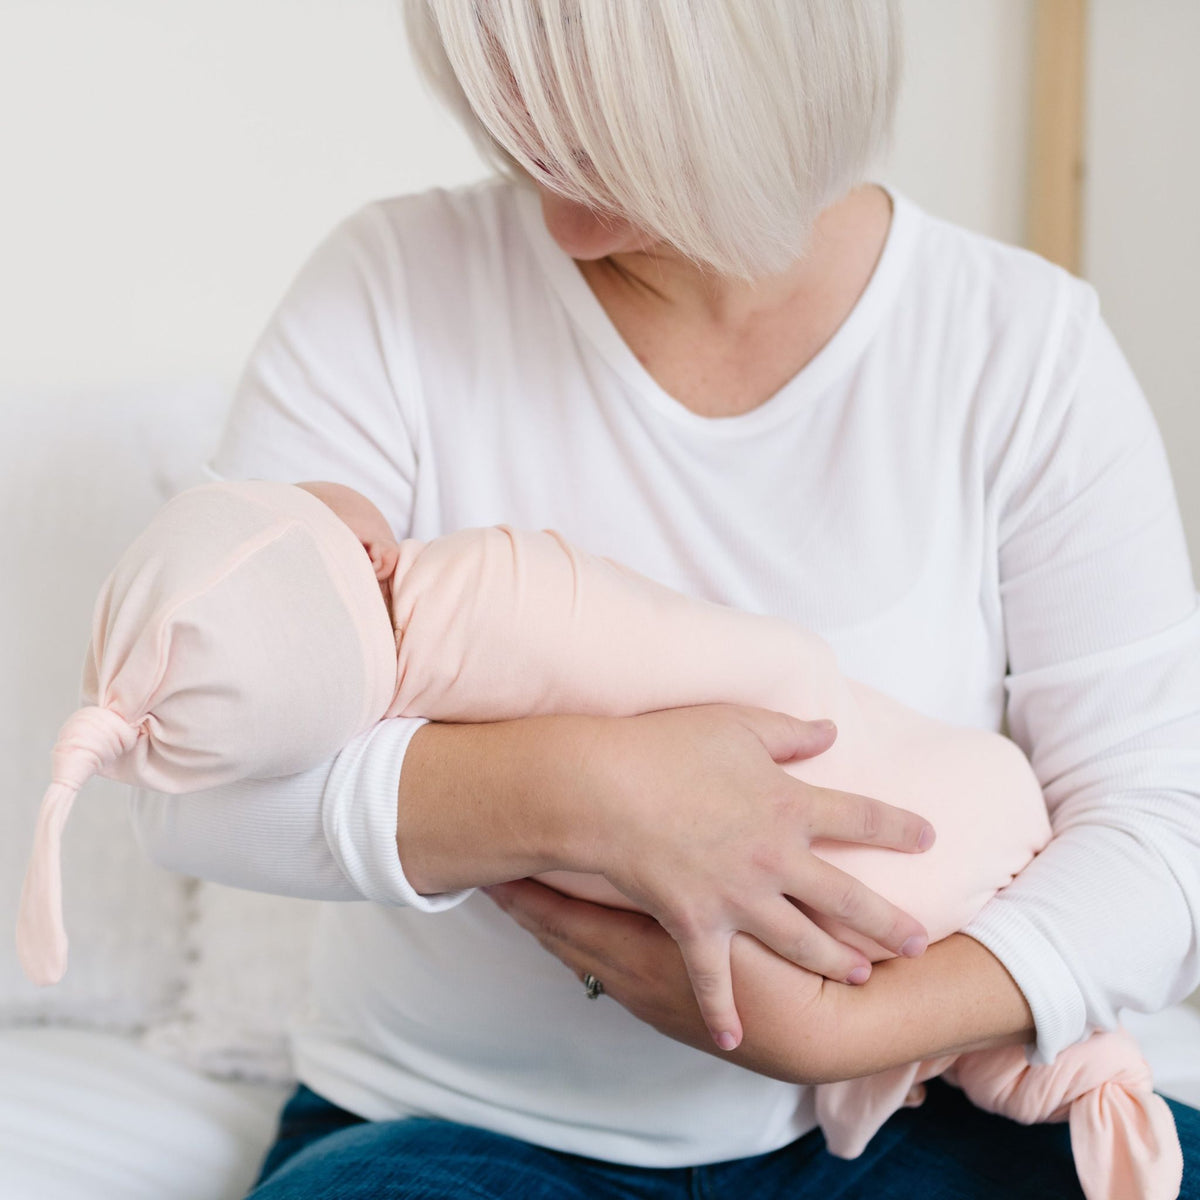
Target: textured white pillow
[(246, 978), (80, 475)]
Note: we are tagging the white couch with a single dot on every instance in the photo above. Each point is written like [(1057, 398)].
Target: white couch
[(158, 1066)]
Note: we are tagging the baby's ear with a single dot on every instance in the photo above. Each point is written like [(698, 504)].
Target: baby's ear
[(384, 554)]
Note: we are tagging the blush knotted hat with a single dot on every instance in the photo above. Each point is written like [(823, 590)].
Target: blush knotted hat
[(241, 635)]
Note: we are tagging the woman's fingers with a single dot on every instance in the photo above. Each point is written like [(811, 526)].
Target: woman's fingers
[(849, 817), (794, 936), (555, 919), (706, 957), (833, 892), (786, 737)]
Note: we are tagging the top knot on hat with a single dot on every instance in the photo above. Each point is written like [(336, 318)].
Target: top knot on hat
[(91, 739)]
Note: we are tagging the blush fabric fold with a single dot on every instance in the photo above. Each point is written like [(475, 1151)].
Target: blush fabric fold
[(1123, 1137), (244, 635)]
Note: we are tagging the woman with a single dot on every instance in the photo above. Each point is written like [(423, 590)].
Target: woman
[(692, 334)]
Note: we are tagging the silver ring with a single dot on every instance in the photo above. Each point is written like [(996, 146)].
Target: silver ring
[(593, 985)]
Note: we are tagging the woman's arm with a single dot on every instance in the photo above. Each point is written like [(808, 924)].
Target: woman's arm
[(800, 1027), (1104, 634), (961, 997), (485, 802), (323, 834)]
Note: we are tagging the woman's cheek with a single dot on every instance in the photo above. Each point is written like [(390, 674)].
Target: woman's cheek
[(583, 234)]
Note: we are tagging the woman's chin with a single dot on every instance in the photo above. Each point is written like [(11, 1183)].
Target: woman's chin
[(583, 234), (585, 245)]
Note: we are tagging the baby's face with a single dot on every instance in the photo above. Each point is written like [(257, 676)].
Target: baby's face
[(367, 524)]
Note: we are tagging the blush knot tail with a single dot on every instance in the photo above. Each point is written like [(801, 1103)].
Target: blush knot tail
[(1123, 1135), (1125, 1144), (90, 741)]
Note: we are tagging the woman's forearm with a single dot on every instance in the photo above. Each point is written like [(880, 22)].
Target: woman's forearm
[(955, 997), (485, 802)]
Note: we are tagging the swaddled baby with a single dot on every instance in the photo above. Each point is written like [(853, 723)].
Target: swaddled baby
[(256, 627)]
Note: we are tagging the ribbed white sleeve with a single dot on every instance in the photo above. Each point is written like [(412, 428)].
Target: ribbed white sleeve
[(1103, 633), (328, 833)]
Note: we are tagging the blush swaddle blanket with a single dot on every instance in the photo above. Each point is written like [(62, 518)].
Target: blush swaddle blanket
[(243, 634)]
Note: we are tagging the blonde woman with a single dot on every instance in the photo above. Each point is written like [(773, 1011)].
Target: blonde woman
[(688, 330)]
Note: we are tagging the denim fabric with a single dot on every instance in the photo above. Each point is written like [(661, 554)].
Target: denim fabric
[(944, 1150)]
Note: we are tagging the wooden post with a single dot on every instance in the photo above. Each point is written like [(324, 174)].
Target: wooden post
[(1056, 166)]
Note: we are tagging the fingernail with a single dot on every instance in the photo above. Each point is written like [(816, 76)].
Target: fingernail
[(913, 946), (861, 974), (824, 725), (926, 838), (726, 1041)]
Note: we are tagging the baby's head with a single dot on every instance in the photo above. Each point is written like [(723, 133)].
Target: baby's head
[(367, 524), (240, 635)]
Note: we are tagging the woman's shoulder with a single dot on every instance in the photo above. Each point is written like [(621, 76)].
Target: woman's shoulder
[(440, 227), (1005, 332), (1003, 289)]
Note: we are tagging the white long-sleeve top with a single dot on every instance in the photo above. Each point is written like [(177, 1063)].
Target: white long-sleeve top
[(964, 492)]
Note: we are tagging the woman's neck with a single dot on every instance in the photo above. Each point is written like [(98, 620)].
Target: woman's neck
[(846, 242), (720, 346)]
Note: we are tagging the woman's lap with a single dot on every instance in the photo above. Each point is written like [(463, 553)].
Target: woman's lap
[(946, 1149)]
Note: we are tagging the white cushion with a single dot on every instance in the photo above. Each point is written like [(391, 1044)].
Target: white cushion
[(86, 1115), (246, 979)]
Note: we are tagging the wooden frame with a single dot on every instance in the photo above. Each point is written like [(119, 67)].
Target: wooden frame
[(1056, 159)]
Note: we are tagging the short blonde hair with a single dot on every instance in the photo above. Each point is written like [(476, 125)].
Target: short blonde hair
[(722, 127)]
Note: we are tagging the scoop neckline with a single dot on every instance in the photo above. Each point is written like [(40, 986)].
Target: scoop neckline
[(834, 357)]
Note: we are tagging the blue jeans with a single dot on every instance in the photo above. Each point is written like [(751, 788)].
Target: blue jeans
[(946, 1149)]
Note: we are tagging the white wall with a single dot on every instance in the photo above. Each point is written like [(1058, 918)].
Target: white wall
[(1142, 218), (167, 166), (963, 112)]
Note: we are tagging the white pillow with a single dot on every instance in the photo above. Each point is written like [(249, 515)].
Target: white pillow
[(80, 475), (246, 979), (86, 1115)]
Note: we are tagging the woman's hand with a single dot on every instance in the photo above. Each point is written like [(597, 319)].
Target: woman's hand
[(695, 821), (804, 1028), (641, 968), (638, 962)]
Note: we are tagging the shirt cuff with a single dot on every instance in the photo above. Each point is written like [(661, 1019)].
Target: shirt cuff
[(1053, 995), (359, 817)]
